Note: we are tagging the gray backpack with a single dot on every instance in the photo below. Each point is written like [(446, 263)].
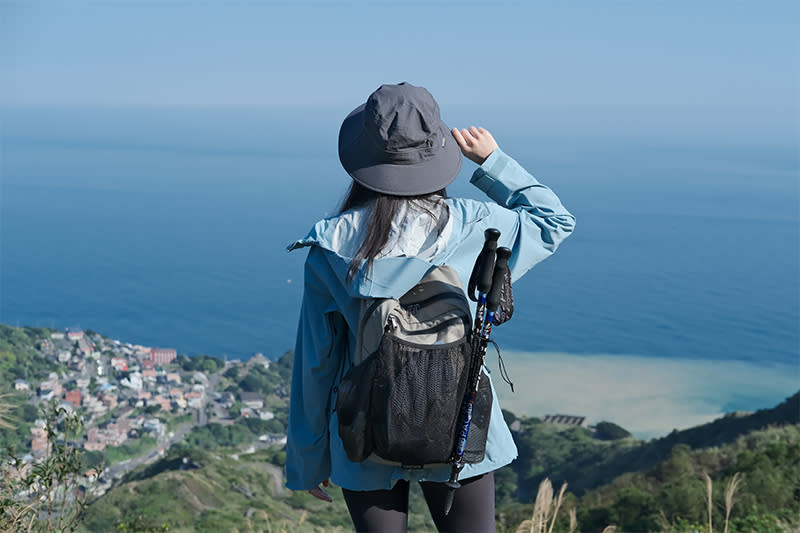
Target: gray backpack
[(399, 402)]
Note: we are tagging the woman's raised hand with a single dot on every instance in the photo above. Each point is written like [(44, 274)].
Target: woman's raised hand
[(476, 143)]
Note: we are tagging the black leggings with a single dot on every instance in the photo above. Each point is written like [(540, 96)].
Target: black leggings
[(386, 511)]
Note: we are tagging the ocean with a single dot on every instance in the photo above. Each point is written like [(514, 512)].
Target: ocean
[(169, 228)]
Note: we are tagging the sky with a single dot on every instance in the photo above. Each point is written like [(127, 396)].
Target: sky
[(721, 66)]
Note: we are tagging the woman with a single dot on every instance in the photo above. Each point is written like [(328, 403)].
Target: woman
[(395, 224)]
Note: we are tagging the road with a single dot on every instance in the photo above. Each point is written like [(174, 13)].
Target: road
[(119, 470)]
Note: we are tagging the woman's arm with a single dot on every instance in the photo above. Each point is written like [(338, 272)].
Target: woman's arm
[(530, 216), (320, 338)]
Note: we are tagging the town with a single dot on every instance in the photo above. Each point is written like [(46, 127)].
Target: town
[(136, 401)]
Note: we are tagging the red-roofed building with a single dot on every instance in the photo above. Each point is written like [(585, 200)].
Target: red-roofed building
[(148, 364), (163, 355), (120, 363), (73, 397)]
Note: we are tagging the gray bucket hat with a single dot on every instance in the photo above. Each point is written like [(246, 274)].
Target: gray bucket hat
[(396, 143)]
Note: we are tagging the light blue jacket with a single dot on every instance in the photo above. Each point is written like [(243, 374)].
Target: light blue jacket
[(532, 222)]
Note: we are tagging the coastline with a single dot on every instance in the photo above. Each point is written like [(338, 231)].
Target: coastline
[(648, 396)]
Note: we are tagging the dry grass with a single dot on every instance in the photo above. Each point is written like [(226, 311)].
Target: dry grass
[(573, 520), (730, 491), (545, 510), (708, 499)]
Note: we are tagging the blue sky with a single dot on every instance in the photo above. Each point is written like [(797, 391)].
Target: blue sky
[(717, 66)]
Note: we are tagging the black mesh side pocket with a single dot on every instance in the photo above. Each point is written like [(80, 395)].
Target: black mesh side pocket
[(353, 410), (417, 397), (479, 427)]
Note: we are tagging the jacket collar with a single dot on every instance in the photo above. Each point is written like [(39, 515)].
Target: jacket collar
[(391, 277)]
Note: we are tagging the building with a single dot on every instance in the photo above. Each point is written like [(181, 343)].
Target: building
[(21, 384), (74, 335), (73, 397), (569, 420), (259, 359), (50, 388), (109, 400), (119, 363), (39, 440), (163, 356), (111, 435), (253, 400), (174, 377), (194, 399)]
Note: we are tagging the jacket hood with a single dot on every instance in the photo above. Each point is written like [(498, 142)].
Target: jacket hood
[(391, 277)]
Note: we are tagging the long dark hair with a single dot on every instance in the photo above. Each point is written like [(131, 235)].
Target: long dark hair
[(384, 208)]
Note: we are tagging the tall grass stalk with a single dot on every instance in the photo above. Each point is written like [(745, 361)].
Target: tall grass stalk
[(708, 497), (573, 520), (730, 491), (557, 506), (545, 509)]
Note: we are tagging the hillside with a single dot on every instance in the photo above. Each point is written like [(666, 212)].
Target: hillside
[(224, 470), (572, 455)]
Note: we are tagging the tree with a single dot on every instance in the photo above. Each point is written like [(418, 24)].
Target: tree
[(611, 431), (48, 495)]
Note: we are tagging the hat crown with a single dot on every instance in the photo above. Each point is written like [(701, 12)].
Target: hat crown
[(401, 118), (396, 143)]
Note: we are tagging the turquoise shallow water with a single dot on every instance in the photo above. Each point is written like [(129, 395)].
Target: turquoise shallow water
[(170, 230)]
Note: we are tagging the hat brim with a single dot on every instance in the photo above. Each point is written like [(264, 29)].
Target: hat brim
[(356, 155)]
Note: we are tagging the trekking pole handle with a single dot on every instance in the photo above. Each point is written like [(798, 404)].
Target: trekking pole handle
[(499, 274), (487, 260)]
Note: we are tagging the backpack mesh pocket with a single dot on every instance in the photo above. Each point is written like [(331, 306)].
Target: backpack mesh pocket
[(417, 394), (479, 427), (353, 410)]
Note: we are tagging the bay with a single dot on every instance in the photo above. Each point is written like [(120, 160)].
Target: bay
[(169, 228)]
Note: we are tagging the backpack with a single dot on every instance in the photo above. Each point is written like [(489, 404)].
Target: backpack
[(400, 401)]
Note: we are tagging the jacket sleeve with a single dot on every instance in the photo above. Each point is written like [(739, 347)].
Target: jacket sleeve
[(316, 364), (531, 218)]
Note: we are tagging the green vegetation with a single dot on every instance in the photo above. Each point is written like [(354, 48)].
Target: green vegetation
[(750, 464), (49, 495), (606, 487), (243, 431), (174, 421), (128, 450), (610, 431), (767, 460), (200, 363), (194, 490), (19, 359)]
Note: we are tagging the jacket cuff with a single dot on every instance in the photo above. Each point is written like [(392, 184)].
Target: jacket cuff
[(486, 175)]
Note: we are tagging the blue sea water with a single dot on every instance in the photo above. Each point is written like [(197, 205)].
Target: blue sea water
[(169, 228)]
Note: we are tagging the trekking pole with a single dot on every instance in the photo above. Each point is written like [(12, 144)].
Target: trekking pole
[(491, 303), (481, 277)]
